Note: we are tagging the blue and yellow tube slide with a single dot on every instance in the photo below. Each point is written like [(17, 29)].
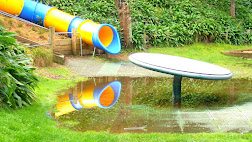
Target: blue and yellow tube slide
[(102, 95), (102, 36)]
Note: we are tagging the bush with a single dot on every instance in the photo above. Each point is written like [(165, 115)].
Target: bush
[(16, 75), (171, 22), (176, 23)]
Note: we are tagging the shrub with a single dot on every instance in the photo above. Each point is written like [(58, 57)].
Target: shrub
[(16, 75), (171, 22)]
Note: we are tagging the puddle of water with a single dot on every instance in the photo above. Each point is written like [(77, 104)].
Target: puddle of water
[(145, 105)]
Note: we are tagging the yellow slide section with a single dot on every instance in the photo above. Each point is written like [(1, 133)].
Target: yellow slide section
[(87, 99), (13, 7), (63, 106), (86, 28), (58, 19)]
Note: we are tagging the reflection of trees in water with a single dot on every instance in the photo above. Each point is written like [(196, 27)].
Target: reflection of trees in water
[(129, 111), (195, 92), (123, 113)]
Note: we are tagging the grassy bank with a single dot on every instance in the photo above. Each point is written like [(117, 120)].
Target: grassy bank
[(32, 123), (211, 53)]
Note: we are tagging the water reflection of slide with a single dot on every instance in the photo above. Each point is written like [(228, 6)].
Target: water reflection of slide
[(103, 95)]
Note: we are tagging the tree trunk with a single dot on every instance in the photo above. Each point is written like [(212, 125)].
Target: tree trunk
[(125, 21), (233, 8)]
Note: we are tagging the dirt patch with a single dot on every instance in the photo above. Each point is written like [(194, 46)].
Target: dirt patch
[(55, 71), (118, 57), (26, 30), (123, 57)]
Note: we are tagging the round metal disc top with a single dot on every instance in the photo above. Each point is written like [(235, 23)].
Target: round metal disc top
[(180, 66)]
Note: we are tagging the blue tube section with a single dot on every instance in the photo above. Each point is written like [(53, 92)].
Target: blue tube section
[(74, 24), (114, 47), (40, 13), (115, 85), (28, 10), (77, 106), (34, 11)]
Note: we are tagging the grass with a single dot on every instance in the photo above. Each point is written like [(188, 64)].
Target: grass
[(211, 53), (1, 22), (32, 123), (34, 29), (10, 22), (18, 32), (20, 25), (42, 31), (41, 56), (59, 72)]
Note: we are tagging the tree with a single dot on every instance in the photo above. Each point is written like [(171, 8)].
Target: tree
[(125, 21), (233, 8)]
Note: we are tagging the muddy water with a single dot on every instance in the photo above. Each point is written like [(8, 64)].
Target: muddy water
[(144, 105)]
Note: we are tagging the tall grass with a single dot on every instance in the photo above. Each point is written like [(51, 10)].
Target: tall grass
[(41, 56)]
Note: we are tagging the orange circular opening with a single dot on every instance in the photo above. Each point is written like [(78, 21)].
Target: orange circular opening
[(106, 35), (107, 96)]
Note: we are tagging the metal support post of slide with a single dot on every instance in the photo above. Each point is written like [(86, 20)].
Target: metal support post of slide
[(176, 92)]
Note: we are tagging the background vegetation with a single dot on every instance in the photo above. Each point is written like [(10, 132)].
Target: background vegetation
[(16, 77), (171, 22)]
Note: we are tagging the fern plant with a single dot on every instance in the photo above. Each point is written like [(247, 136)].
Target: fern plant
[(16, 75)]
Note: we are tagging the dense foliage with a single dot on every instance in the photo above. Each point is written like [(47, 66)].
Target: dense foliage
[(180, 22), (99, 11), (16, 76), (172, 22), (243, 10)]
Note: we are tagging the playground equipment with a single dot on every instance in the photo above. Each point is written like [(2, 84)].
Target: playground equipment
[(102, 95), (179, 67), (102, 36)]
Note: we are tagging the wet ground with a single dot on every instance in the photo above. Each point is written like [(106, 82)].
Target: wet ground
[(101, 66), (145, 105), (93, 67)]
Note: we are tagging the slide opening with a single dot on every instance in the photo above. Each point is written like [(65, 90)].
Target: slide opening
[(107, 97), (106, 35), (106, 38)]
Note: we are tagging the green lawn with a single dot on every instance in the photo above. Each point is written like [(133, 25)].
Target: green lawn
[(211, 53), (32, 123)]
